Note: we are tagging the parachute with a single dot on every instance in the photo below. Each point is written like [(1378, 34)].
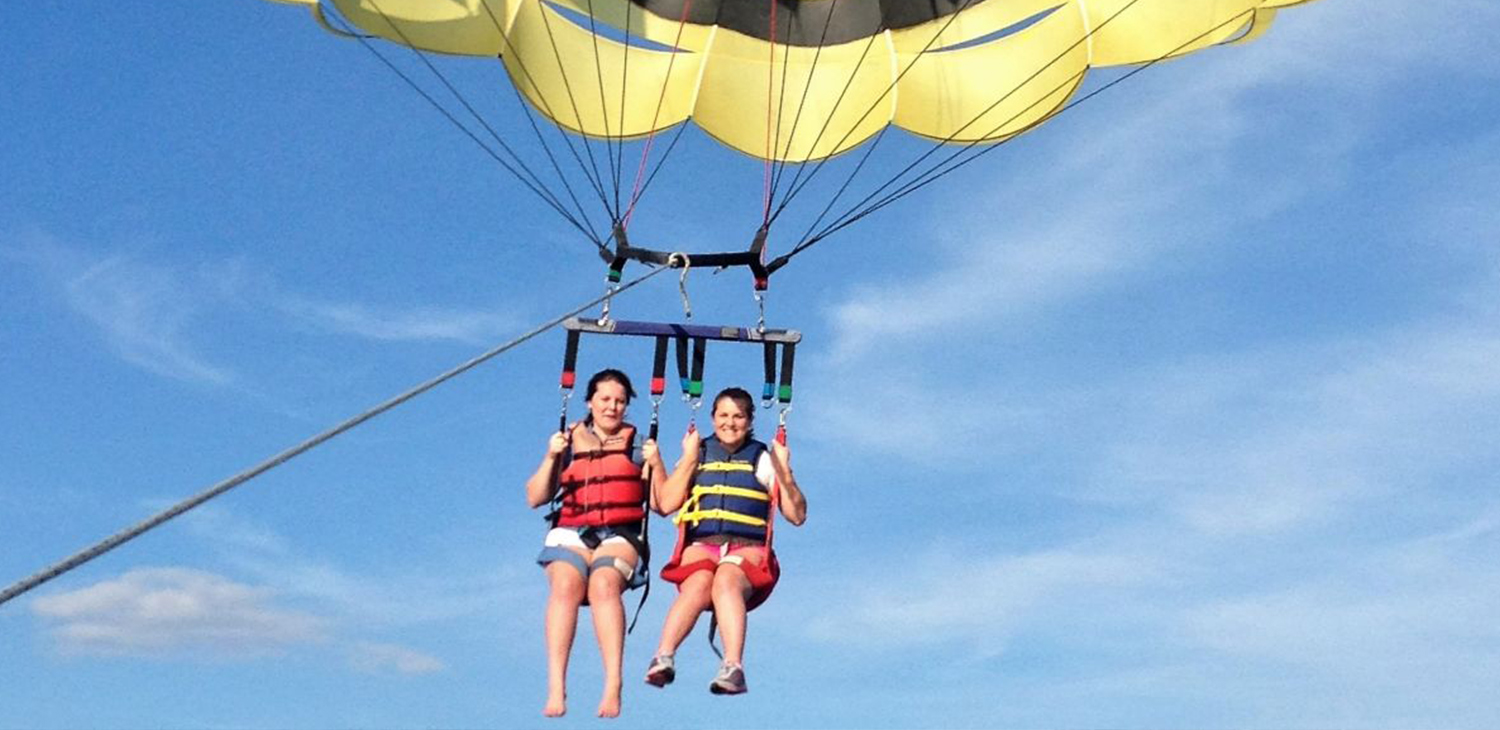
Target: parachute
[(839, 70), (788, 82)]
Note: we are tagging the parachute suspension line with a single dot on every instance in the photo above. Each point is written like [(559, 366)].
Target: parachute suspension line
[(131, 533), (869, 151), (624, 93), (856, 211), (640, 172), (659, 164), (596, 178), (609, 145), (770, 95), (1088, 34), (828, 119), (929, 175), (948, 165), (887, 92), (777, 149), (802, 104), (536, 131), (530, 180), (547, 109)]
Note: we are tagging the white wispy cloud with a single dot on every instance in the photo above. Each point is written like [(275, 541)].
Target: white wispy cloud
[(164, 316), (147, 313), (391, 598), (400, 324), (980, 602), (161, 612), (374, 658)]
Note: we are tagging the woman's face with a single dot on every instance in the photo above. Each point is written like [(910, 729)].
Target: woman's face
[(731, 424), (608, 406)]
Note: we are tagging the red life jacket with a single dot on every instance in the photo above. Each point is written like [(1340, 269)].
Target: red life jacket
[(602, 486)]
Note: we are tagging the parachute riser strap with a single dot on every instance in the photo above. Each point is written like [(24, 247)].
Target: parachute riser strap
[(695, 382), (784, 392)]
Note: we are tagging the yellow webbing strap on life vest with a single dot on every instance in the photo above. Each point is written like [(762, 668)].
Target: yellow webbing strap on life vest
[(720, 514), (691, 513), (729, 491), (727, 466)]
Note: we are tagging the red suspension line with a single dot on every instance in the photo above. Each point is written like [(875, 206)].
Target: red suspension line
[(640, 172)]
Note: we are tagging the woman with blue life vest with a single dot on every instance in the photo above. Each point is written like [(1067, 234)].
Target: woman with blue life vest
[(602, 483), (725, 490)]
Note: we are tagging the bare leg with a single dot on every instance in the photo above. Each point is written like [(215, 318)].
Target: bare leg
[(567, 590), (693, 598), (605, 586), (730, 589)]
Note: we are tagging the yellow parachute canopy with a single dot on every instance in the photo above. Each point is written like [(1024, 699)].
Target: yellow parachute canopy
[(798, 80)]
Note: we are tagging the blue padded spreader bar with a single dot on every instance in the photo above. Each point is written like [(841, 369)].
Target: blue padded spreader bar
[(707, 332)]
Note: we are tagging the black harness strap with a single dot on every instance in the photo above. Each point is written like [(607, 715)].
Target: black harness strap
[(768, 389)]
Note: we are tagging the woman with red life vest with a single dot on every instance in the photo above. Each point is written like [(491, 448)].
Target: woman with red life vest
[(592, 553), (724, 489)]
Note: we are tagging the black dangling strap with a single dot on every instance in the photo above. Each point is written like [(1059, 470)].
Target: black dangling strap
[(788, 358), (682, 364), (658, 382), (695, 387), (768, 390)]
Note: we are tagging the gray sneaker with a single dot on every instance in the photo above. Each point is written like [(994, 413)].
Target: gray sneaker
[(731, 680), (662, 671)]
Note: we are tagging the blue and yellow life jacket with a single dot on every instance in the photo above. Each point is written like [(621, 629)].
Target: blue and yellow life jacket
[(726, 499)]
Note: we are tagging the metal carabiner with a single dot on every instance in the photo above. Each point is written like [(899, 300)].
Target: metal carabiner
[(562, 418), (609, 292), (687, 264), (760, 302)]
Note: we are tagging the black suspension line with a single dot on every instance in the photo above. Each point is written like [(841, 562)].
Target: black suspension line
[(817, 167), (947, 165), (609, 144), (592, 170), (524, 175), (547, 110), (802, 104), (794, 187)]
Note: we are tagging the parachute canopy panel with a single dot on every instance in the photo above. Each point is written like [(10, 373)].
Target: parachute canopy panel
[(799, 80)]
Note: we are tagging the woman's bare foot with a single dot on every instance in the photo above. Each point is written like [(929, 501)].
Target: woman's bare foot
[(609, 704), (557, 705)]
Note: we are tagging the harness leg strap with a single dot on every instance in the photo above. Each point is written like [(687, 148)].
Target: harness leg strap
[(626, 569), (561, 554)]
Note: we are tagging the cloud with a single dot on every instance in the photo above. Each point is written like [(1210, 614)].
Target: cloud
[(391, 598), (163, 316), (1315, 430), (375, 658), (157, 612), (980, 602), (146, 312), (393, 325)]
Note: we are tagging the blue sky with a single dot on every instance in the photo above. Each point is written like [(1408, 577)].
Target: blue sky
[(1177, 412)]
